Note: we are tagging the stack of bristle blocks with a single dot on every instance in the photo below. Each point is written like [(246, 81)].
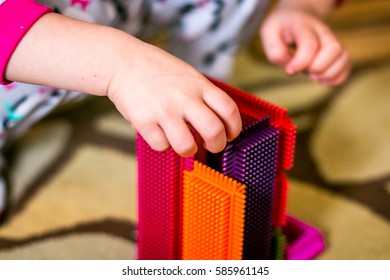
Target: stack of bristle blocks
[(233, 205)]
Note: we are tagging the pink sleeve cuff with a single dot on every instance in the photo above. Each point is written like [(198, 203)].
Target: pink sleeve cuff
[(16, 18)]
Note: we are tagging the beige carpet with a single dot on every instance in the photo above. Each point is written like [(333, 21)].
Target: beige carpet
[(73, 176)]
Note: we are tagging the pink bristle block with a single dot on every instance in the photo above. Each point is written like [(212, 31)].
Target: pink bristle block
[(304, 242), (158, 203)]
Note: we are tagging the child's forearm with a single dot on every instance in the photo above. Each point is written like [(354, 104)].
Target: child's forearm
[(66, 53), (321, 8)]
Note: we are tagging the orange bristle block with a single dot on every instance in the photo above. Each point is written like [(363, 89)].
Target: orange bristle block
[(213, 215)]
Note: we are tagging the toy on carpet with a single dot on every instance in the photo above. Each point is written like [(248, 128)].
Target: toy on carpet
[(232, 205)]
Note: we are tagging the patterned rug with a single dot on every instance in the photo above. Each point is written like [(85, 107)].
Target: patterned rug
[(73, 176)]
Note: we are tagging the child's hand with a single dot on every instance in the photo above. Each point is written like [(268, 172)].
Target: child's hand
[(164, 97), (160, 95), (318, 52)]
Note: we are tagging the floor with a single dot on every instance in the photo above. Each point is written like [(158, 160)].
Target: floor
[(74, 174)]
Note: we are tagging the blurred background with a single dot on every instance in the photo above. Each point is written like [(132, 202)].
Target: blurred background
[(74, 174)]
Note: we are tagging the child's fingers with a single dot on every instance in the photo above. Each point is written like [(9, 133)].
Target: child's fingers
[(307, 47), (330, 51), (275, 47), (208, 125), (226, 109), (339, 79), (340, 66), (154, 136), (179, 136)]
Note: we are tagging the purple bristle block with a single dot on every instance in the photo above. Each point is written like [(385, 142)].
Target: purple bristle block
[(251, 159), (304, 242)]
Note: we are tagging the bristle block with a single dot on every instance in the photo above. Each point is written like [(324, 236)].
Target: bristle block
[(213, 215)]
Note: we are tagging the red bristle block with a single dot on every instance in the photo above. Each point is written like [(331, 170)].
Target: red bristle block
[(279, 210), (252, 103), (288, 132), (253, 108)]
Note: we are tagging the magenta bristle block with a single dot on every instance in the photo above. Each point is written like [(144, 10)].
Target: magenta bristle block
[(304, 242), (158, 203), (251, 159), (186, 164)]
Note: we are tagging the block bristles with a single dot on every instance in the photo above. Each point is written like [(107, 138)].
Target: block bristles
[(253, 108), (158, 203), (213, 215), (279, 210), (287, 140), (304, 242), (278, 244), (248, 102), (251, 160)]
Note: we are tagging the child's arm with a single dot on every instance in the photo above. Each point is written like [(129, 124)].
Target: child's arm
[(299, 23), (160, 95)]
